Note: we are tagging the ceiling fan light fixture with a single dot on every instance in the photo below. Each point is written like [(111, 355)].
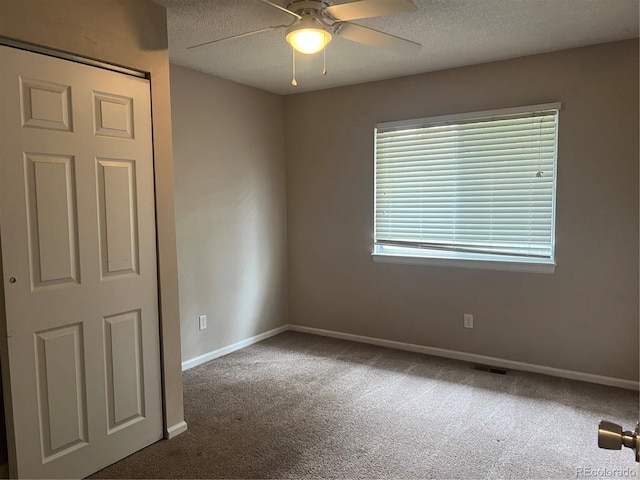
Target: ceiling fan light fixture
[(308, 36)]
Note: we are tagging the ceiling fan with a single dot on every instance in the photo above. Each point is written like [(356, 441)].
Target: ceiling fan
[(315, 22)]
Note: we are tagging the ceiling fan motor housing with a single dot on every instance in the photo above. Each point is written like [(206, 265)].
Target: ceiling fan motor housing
[(302, 7)]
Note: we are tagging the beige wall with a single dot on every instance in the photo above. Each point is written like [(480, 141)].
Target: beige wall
[(132, 34), (583, 318), (230, 209)]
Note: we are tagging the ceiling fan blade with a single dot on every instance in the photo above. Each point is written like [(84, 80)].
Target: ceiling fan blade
[(375, 38), (281, 8), (267, 29), (369, 8)]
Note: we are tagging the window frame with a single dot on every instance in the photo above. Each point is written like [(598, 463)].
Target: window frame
[(444, 258)]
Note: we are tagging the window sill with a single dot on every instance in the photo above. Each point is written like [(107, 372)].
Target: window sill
[(450, 260)]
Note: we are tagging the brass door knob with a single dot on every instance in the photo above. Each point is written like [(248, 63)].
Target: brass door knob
[(611, 437)]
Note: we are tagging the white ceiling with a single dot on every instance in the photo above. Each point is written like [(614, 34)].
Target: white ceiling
[(453, 33)]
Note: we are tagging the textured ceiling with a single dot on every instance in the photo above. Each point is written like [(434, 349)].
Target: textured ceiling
[(453, 33)]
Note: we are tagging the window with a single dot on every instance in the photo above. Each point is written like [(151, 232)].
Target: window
[(473, 190)]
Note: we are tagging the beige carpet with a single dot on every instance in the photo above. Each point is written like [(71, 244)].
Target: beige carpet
[(302, 406)]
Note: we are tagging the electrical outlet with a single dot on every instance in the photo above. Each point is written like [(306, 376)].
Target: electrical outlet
[(202, 319), (468, 320)]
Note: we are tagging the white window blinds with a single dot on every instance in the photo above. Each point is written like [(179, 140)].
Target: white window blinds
[(479, 183)]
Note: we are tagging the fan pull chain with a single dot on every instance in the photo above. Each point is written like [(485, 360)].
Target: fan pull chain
[(294, 82), (324, 56)]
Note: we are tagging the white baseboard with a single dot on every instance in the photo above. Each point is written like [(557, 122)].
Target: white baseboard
[(438, 352), (474, 358), (194, 362), (175, 430)]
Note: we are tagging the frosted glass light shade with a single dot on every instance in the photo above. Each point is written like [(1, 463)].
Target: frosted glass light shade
[(308, 37)]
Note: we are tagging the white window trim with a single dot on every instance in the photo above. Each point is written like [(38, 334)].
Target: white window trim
[(471, 115), (441, 259), (381, 254)]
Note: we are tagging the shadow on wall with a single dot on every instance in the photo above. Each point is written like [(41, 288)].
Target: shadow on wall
[(139, 24), (228, 268), (230, 209)]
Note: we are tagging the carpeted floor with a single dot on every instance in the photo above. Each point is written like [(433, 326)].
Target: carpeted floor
[(302, 406)]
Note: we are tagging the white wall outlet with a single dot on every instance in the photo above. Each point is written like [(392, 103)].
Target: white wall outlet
[(468, 320), (202, 319)]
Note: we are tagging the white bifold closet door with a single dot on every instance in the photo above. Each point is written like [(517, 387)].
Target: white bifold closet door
[(77, 225)]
